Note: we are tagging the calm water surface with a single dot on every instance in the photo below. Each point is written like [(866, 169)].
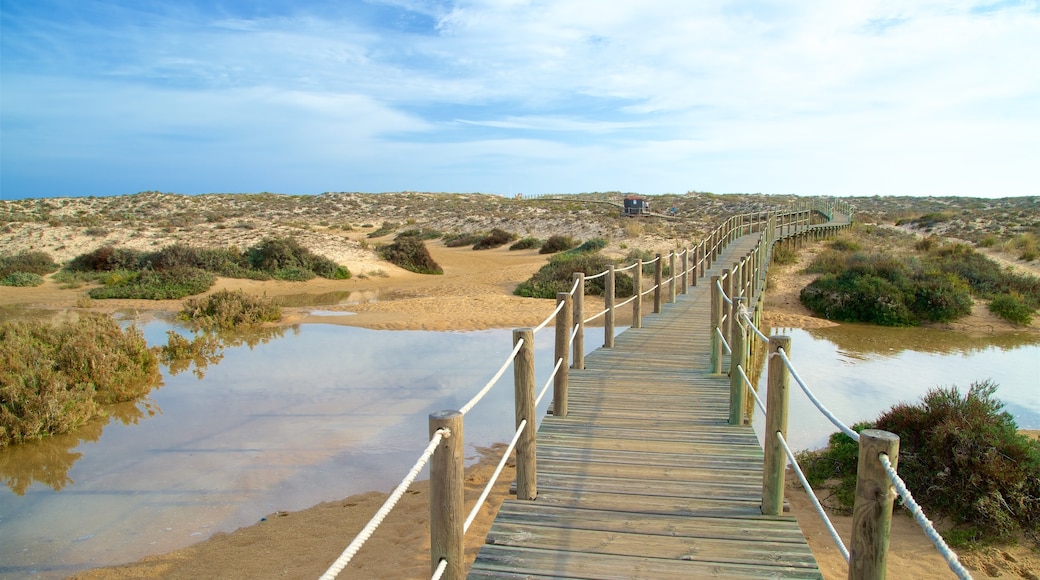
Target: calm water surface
[(296, 416)]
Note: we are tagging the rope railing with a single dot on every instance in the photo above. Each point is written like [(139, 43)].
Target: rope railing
[(596, 315), (725, 344), (812, 497), (627, 268), (439, 572), (751, 389), (808, 393), (601, 274), (491, 383), (550, 318), (494, 477), (384, 510), (929, 529), (548, 383)]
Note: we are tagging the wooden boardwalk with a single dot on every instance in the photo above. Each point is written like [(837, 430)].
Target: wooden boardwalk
[(644, 478)]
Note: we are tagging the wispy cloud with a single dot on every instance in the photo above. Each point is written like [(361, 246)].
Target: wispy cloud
[(931, 97)]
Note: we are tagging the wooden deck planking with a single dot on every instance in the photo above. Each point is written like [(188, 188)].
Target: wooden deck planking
[(644, 478)]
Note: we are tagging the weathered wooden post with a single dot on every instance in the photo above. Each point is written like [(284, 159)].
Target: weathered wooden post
[(737, 361), (671, 279), (776, 422), (872, 511), (715, 326), (446, 496), (637, 304), (563, 334), (579, 321), (696, 265), (727, 307), (523, 388), (684, 282), (658, 282), (608, 305)]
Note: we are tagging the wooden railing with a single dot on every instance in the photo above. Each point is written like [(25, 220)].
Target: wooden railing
[(745, 281)]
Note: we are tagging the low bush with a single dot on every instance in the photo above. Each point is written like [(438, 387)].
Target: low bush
[(497, 237), (227, 309), (589, 246), (783, 255), (526, 244), (32, 262), (384, 230), (422, 234), (107, 258), (169, 284), (557, 276), (557, 243), (24, 279), (1013, 308), (459, 240), (411, 254), (56, 378)]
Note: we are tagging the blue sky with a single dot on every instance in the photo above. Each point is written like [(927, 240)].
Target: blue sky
[(536, 96)]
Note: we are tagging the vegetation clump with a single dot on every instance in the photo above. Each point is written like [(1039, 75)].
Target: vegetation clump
[(54, 379), (557, 243), (228, 309), (526, 244), (410, 253), (25, 268), (961, 456), (557, 276), (495, 238), (459, 240)]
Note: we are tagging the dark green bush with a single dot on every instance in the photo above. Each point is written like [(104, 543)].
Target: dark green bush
[(1013, 308), (21, 279), (588, 246), (31, 262), (157, 284), (460, 240), (422, 234), (497, 237), (557, 276), (286, 259), (784, 255), (854, 297), (411, 254), (557, 243), (844, 245), (107, 258), (384, 230), (526, 244), (55, 378), (835, 467), (227, 309)]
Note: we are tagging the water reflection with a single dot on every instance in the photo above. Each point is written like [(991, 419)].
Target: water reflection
[(206, 348), (328, 298), (858, 372)]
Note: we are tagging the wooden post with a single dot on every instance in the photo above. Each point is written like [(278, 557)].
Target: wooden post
[(658, 282), (696, 265), (727, 308), (716, 317), (684, 282), (637, 304), (671, 279), (872, 511), (776, 422), (563, 334), (523, 388), (579, 321), (703, 253), (446, 496), (608, 304), (737, 359)]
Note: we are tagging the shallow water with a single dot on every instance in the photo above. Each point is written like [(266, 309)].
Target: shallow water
[(285, 420), (860, 371)]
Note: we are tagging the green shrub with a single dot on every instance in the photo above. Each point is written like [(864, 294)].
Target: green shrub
[(31, 262), (526, 244), (834, 468), (55, 378), (844, 245), (384, 230), (941, 297), (411, 254), (557, 243), (422, 234), (557, 276), (286, 259), (459, 240), (589, 246), (497, 237), (784, 255), (855, 297), (1013, 308), (227, 309), (107, 258), (962, 457), (169, 284), (21, 279)]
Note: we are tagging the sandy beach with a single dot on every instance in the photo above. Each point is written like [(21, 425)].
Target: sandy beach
[(474, 293)]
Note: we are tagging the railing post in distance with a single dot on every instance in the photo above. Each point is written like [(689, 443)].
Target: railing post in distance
[(608, 303), (563, 335), (872, 511), (727, 309), (523, 387), (684, 282), (737, 359), (637, 304), (716, 317), (446, 496), (658, 282), (671, 279), (776, 422), (579, 321), (696, 265)]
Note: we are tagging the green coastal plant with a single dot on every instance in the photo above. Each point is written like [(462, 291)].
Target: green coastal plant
[(410, 253), (229, 309)]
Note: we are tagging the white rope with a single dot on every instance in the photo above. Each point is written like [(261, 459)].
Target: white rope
[(752, 326), (480, 395), (574, 287), (383, 511), (648, 291), (548, 383), (751, 388), (570, 342), (812, 496), (494, 477), (596, 315), (628, 267), (550, 318), (723, 339), (725, 298), (441, 567), (648, 262), (830, 416), (929, 530), (626, 302)]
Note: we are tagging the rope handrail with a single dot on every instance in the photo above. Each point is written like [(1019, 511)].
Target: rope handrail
[(626, 302), (384, 510), (929, 529), (550, 318), (826, 413), (648, 291), (648, 262), (574, 287), (494, 477), (726, 299), (812, 496), (593, 277), (549, 383), (751, 388), (628, 267), (491, 383), (441, 567), (574, 333), (723, 339), (747, 318), (596, 315)]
